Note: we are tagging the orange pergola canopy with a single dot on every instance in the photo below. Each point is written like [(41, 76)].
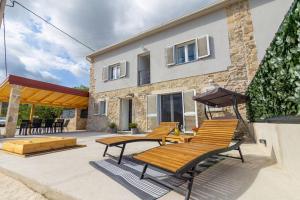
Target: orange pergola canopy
[(42, 93)]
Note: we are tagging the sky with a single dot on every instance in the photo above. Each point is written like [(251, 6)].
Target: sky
[(38, 51)]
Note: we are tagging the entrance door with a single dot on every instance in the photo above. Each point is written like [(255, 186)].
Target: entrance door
[(126, 114), (171, 108)]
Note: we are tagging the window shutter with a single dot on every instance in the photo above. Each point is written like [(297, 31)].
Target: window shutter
[(123, 69), (96, 108), (105, 73), (170, 56), (190, 112), (152, 114), (203, 47)]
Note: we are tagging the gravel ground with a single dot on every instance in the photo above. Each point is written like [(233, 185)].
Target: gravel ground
[(11, 189)]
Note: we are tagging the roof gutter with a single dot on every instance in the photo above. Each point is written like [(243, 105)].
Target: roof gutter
[(204, 11)]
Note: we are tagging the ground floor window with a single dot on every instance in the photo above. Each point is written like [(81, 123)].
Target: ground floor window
[(100, 108)]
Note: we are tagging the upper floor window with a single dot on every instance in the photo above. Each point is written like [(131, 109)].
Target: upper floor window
[(189, 51), (185, 52), (115, 71)]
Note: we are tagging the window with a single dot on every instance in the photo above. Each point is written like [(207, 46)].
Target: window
[(180, 55), (185, 52), (84, 113), (193, 50), (68, 113), (114, 72), (100, 108)]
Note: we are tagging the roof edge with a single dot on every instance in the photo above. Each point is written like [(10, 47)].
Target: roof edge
[(26, 82), (170, 24)]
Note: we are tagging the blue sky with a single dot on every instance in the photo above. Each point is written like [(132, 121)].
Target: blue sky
[(36, 50)]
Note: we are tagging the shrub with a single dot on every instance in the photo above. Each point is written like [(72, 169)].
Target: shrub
[(112, 125), (275, 89), (132, 125)]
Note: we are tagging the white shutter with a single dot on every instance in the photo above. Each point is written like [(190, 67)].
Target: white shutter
[(105, 73), (123, 69), (170, 56), (189, 110), (203, 47), (152, 112)]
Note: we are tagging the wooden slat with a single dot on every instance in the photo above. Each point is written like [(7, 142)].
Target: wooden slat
[(213, 135)]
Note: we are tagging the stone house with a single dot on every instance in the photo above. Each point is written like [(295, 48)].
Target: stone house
[(152, 77)]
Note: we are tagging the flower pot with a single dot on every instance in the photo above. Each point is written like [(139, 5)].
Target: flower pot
[(112, 130), (134, 131)]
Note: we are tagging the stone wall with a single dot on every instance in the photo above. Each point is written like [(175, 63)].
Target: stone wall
[(244, 63), (12, 111), (77, 123)]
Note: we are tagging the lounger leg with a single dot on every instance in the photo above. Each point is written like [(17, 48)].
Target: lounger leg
[(189, 187), (242, 157), (159, 143), (121, 154), (144, 171), (104, 154)]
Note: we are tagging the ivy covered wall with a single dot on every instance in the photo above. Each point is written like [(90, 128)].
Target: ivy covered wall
[(275, 89)]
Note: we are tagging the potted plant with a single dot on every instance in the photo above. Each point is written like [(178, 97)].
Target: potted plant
[(112, 127), (133, 128)]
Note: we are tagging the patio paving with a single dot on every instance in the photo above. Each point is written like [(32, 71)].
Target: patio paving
[(68, 175)]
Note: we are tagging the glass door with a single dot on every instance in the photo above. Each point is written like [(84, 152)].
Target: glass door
[(171, 108)]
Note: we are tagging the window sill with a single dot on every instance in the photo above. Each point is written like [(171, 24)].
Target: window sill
[(178, 64), (146, 84), (100, 115), (114, 79)]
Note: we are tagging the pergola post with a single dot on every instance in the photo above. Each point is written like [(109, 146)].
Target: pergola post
[(32, 110), (0, 108), (12, 111)]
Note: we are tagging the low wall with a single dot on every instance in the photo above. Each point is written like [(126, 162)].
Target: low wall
[(282, 143), (77, 124)]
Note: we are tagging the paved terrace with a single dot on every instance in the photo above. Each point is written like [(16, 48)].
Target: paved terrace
[(68, 175)]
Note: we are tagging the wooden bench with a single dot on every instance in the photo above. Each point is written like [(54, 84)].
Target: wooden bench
[(28, 146)]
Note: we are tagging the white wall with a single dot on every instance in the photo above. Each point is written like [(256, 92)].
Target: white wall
[(267, 16), (214, 24), (282, 144)]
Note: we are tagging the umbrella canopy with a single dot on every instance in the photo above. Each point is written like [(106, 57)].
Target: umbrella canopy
[(220, 97)]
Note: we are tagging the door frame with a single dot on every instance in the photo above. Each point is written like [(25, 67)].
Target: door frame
[(121, 121), (183, 111)]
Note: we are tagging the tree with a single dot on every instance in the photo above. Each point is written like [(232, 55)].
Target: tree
[(82, 87)]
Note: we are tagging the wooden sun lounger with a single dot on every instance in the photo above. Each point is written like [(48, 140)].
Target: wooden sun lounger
[(155, 136), (214, 137)]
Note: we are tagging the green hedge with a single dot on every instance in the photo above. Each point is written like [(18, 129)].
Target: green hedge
[(275, 89)]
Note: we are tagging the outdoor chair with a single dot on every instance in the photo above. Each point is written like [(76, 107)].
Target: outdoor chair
[(156, 135), (36, 126), (48, 127), (24, 126), (58, 125), (215, 137)]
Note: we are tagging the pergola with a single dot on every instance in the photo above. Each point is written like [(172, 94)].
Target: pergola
[(19, 90)]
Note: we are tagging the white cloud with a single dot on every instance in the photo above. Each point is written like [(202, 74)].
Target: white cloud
[(37, 50)]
